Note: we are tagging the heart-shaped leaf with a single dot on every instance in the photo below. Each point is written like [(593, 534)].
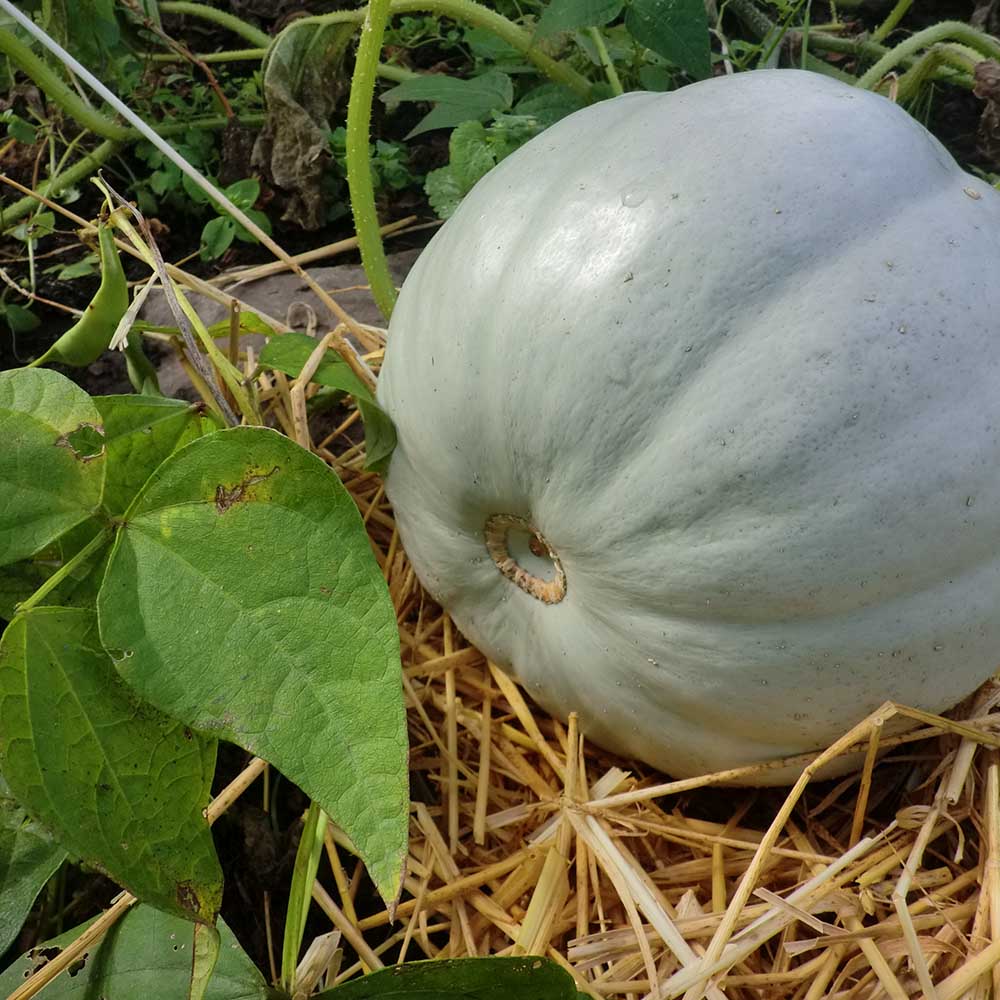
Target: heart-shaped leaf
[(122, 786), (244, 599)]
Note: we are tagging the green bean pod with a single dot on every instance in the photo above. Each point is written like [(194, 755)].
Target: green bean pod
[(141, 372), (88, 338)]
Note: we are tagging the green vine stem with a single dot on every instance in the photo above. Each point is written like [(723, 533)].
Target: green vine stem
[(477, 16), (50, 82), (385, 70), (925, 67), (945, 31), (466, 11), (84, 167), (862, 48), (893, 18), (87, 116), (236, 25), (228, 56), (606, 63), (865, 48), (359, 171), (762, 27), (94, 545)]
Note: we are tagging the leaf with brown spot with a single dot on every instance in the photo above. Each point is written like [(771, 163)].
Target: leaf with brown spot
[(231, 633)]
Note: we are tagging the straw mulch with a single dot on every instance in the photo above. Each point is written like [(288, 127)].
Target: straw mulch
[(525, 839)]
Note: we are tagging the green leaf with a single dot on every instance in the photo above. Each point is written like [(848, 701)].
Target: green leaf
[(676, 30), (289, 353), (49, 481), (307, 857), (526, 978), (19, 319), (18, 582), (147, 955), (471, 157), (18, 128), (263, 222), (565, 15), (121, 786), (380, 435), (39, 225), (244, 193), (288, 645), (82, 268), (28, 859), (139, 433), (444, 191), (656, 78), (216, 237), (455, 100), (548, 103)]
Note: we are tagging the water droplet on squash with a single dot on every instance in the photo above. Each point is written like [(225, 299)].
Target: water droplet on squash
[(634, 196)]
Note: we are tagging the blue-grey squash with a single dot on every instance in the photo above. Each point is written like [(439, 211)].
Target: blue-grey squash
[(698, 405)]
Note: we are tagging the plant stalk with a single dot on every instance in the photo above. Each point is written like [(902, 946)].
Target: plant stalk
[(48, 81), (67, 567), (606, 63), (359, 171), (86, 165), (83, 167), (945, 31), (478, 16), (256, 37), (894, 17)]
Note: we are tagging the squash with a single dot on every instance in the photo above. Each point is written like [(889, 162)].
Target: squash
[(698, 406)]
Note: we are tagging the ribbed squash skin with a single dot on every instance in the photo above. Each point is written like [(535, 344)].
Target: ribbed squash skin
[(734, 351)]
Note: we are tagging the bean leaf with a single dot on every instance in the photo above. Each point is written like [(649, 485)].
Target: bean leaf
[(28, 859), (121, 786), (147, 955), (139, 433), (526, 978), (51, 461), (244, 599)]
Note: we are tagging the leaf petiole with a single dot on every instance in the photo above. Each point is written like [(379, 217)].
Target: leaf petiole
[(94, 545)]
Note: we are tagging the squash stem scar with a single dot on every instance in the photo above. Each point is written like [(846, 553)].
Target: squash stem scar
[(496, 534)]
